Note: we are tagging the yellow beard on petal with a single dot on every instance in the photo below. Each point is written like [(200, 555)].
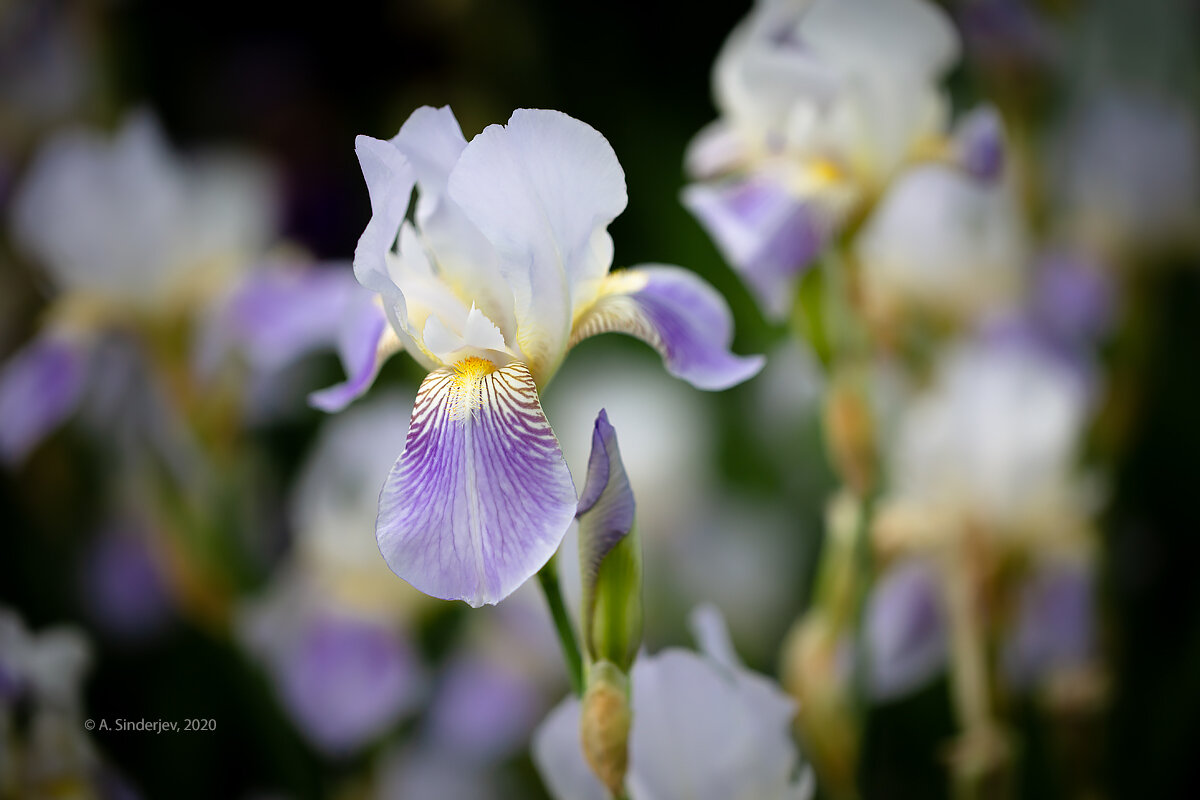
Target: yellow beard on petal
[(466, 394)]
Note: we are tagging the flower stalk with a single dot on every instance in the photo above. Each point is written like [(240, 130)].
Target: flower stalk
[(548, 578)]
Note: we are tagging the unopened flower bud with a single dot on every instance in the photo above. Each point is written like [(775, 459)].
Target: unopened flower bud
[(610, 556), (604, 725)]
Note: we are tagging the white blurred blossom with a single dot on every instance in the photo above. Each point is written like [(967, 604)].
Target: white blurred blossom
[(991, 445), (703, 727), (943, 241), (128, 220)]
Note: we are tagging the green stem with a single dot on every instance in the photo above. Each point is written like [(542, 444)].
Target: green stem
[(548, 578), (863, 568)]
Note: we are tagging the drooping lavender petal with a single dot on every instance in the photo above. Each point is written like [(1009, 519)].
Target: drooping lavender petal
[(980, 143), (677, 314), (769, 236), (905, 630), (481, 497), (363, 344), (123, 586), (347, 681), (1070, 308), (1055, 626), (484, 709), (280, 314), (40, 386), (1073, 297)]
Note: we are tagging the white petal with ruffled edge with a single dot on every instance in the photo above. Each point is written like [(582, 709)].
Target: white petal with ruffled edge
[(481, 497), (676, 313), (542, 190), (390, 182)]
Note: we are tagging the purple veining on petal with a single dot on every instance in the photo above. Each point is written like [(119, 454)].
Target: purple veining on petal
[(123, 586), (1055, 626), (484, 710), (980, 141), (481, 497), (40, 386), (348, 681), (769, 236), (363, 326), (694, 329), (905, 629)]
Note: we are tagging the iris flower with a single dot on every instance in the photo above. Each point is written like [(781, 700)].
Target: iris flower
[(500, 267), (132, 237), (822, 103)]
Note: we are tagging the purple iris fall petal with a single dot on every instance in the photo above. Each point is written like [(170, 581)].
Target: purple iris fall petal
[(483, 709), (40, 386), (347, 681), (1055, 626), (123, 585), (481, 496), (769, 236), (682, 317), (279, 314), (1073, 297), (980, 140), (905, 629), (363, 327)]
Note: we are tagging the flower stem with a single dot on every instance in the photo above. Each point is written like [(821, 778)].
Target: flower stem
[(548, 578)]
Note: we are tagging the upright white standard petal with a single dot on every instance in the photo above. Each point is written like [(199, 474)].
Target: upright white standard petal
[(942, 241), (432, 141), (702, 728), (126, 219), (481, 496), (390, 183), (543, 190), (992, 443)]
